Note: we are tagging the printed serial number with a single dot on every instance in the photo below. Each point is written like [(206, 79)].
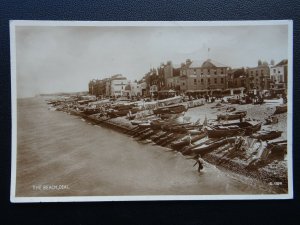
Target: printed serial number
[(275, 183)]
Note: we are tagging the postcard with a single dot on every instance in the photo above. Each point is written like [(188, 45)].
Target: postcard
[(144, 110)]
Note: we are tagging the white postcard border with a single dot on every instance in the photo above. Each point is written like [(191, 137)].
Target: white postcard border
[(14, 23)]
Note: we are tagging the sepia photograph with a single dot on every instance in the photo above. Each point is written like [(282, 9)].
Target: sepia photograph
[(131, 111)]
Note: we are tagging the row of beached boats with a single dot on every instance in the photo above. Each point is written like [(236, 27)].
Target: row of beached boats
[(187, 138), (195, 138)]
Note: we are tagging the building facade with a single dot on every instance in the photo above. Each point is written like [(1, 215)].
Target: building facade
[(236, 78), (279, 77), (258, 77), (209, 76), (115, 87)]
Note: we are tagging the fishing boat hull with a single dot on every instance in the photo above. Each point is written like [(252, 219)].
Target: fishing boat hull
[(170, 110), (232, 116), (266, 135), (280, 109), (228, 130), (202, 150), (182, 143)]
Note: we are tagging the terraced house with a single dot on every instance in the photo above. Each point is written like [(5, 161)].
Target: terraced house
[(208, 77), (279, 77)]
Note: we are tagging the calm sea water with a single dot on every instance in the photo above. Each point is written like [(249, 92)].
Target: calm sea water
[(55, 148)]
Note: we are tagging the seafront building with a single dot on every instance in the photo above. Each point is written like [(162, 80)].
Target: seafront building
[(279, 77), (115, 86), (196, 78), (258, 77)]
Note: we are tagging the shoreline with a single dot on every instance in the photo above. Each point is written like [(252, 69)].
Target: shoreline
[(276, 179)]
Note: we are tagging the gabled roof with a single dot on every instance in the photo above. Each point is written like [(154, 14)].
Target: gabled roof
[(282, 62), (195, 64), (212, 64)]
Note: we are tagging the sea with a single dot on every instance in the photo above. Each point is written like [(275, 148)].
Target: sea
[(63, 155)]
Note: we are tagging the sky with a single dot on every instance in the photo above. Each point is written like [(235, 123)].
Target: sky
[(51, 59)]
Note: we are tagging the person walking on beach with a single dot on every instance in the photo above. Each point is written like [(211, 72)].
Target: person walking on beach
[(199, 161)]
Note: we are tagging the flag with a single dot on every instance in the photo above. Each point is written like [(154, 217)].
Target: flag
[(208, 49)]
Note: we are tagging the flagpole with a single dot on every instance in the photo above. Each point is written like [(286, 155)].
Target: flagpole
[(208, 53)]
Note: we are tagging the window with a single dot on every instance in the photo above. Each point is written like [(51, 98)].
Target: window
[(221, 71), (222, 80), (215, 72), (195, 80), (183, 83), (216, 81), (278, 71), (202, 81), (208, 80), (208, 71), (274, 70)]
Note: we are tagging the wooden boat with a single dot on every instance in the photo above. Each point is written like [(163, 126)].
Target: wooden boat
[(159, 135), (137, 122), (183, 128), (165, 138), (146, 124), (277, 149), (231, 129), (147, 135), (271, 120), (123, 107), (280, 109), (204, 149), (199, 136), (170, 101), (185, 141), (90, 111), (232, 116), (169, 140), (233, 100), (157, 124), (176, 128), (194, 132), (266, 135), (143, 131), (175, 109), (117, 113), (132, 130), (180, 144), (135, 132)]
